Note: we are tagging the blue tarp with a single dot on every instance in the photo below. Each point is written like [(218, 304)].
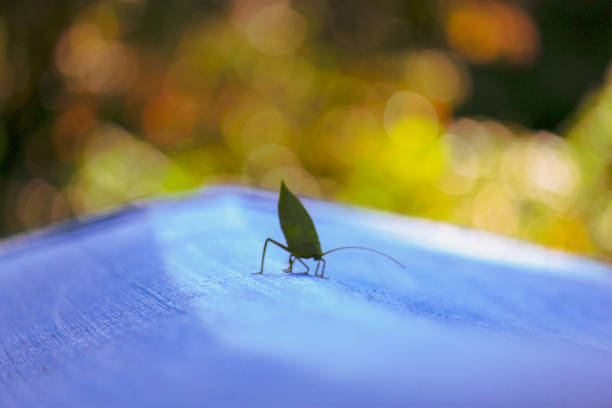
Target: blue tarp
[(155, 305)]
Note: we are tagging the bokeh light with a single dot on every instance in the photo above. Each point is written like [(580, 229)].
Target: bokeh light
[(483, 31), (125, 100)]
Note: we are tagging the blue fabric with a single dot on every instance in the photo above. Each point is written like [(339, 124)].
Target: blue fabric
[(155, 305)]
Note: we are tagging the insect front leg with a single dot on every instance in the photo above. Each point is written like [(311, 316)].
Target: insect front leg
[(263, 255), (322, 275)]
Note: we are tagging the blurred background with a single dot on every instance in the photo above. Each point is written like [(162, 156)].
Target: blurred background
[(490, 114)]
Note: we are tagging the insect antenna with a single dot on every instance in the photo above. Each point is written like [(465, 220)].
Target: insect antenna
[(365, 249)]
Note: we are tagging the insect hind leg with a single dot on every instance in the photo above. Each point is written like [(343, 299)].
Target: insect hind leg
[(263, 254), (291, 261)]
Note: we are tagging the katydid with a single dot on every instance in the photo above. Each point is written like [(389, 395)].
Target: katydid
[(301, 235)]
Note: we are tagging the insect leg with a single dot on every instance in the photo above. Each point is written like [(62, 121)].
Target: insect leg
[(263, 255), (306, 266), (291, 261), (317, 270), (323, 269)]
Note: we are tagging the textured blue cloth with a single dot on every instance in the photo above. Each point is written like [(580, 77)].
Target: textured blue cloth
[(155, 305)]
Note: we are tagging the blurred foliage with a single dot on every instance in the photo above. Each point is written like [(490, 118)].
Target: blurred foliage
[(420, 107)]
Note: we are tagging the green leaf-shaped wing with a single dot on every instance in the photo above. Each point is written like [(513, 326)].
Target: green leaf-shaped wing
[(297, 225)]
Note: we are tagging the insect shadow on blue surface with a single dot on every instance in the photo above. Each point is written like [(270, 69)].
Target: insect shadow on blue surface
[(301, 235)]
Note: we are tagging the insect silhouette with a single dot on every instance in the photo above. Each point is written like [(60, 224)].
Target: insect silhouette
[(301, 235)]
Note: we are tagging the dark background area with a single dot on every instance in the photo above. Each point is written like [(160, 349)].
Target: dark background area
[(545, 89)]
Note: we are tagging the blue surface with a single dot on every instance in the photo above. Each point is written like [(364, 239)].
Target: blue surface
[(155, 306)]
